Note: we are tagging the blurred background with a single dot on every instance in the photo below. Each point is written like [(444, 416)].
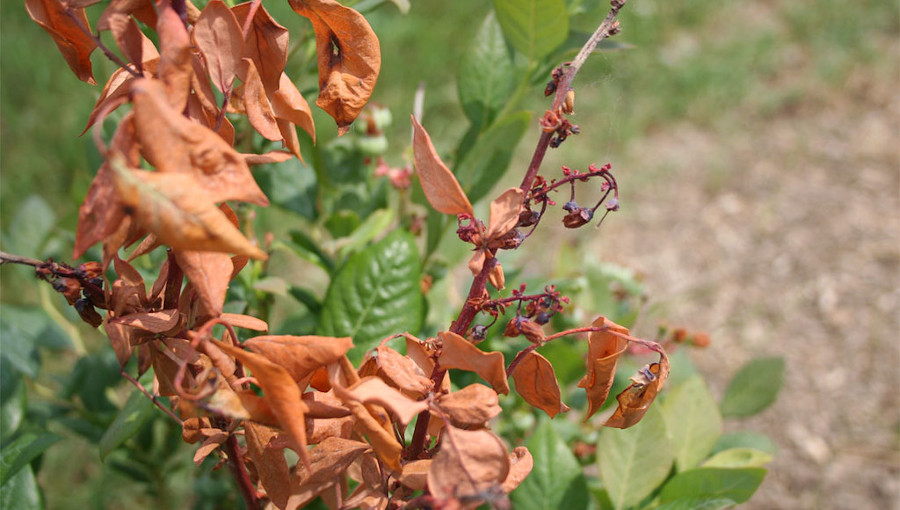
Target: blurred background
[(757, 146)]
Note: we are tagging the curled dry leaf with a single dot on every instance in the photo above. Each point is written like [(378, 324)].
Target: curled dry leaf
[(155, 322), (401, 372), (383, 442), (318, 428), (349, 56), (210, 445), (458, 353), (218, 36), (327, 461), (604, 349), (415, 474), (289, 105), (520, 465), (169, 206), (172, 143), (280, 392), (271, 466), (209, 273), (70, 31), (119, 338), (505, 211), (175, 69), (300, 355), (439, 184), (143, 10), (536, 382), (251, 99), (470, 407), (128, 37), (266, 44), (636, 398), (269, 157), (245, 321), (470, 465), (372, 390)]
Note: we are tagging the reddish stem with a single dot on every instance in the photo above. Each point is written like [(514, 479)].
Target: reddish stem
[(236, 466)]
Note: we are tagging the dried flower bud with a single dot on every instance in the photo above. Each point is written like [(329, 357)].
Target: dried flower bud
[(68, 287), (578, 217), (496, 277), (512, 328), (570, 206), (550, 88), (612, 205), (532, 331), (542, 318), (679, 335), (700, 340), (425, 283), (88, 270), (87, 313), (478, 332), (569, 104), (528, 218), (615, 28), (93, 291), (510, 241), (550, 122)]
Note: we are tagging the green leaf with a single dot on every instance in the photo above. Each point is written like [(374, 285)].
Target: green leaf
[(534, 27), (693, 422), (12, 400), (486, 74), (17, 454), (373, 226), (136, 412), (22, 492), (745, 440), (697, 504), (307, 249), (634, 461), (556, 481), (754, 388), (272, 285), (738, 458), (734, 484), (291, 185), (30, 227), (375, 294), (37, 325), (19, 349), (486, 162)]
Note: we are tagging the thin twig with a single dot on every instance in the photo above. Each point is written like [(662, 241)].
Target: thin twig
[(9, 258), (106, 51), (236, 466), (152, 397)]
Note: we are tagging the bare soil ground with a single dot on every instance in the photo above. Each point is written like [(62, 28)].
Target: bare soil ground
[(783, 238)]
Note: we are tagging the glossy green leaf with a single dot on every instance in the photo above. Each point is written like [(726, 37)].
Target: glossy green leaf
[(738, 458), (754, 388), (693, 422), (753, 440), (486, 162), (136, 412), (12, 400), (556, 481), (375, 294), (734, 484), (534, 27), (697, 504), (634, 461), (18, 453), (373, 226), (307, 249), (486, 74), (22, 492), (290, 184)]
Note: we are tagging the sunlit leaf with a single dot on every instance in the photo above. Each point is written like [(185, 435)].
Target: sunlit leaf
[(458, 353), (754, 388), (469, 465), (218, 36), (693, 422), (720, 483), (439, 184), (536, 383), (470, 407), (71, 33), (604, 349), (534, 27)]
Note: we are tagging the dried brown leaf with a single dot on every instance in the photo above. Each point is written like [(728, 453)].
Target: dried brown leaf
[(328, 460), (210, 445), (280, 392), (349, 56), (604, 349), (401, 372), (470, 407), (71, 33), (174, 144), (289, 104), (458, 353), (251, 98), (245, 321), (300, 355), (520, 465), (415, 474), (266, 44), (383, 442), (269, 157), (271, 466), (128, 36), (635, 400), (169, 206), (218, 36), (471, 464), (439, 184), (154, 322), (372, 390), (210, 273), (175, 69), (505, 211), (120, 338), (536, 382), (143, 10)]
